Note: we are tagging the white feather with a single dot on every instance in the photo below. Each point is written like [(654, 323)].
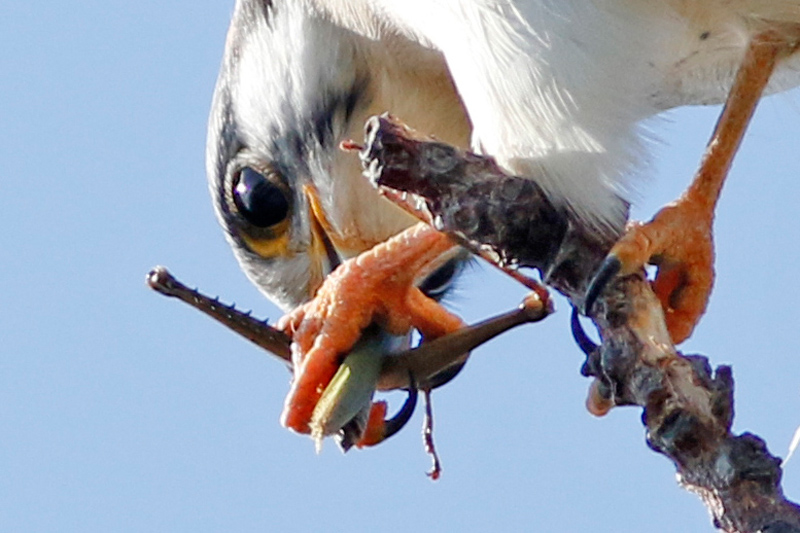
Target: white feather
[(792, 447), (558, 90)]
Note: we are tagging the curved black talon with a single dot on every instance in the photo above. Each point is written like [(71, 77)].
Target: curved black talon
[(586, 344), (445, 376), (396, 423), (607, 271), (349, 434)]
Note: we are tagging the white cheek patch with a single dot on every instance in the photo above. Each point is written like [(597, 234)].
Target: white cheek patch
[(287, 282)]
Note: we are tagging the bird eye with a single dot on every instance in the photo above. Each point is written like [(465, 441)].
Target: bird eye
[(260, 201)]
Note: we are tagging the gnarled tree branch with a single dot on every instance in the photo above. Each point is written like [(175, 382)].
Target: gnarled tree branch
[(688, 408)]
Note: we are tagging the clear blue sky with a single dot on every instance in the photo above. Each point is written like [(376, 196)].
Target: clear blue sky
[(121, 410)]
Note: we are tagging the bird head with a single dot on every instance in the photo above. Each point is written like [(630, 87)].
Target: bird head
[(293, 84)]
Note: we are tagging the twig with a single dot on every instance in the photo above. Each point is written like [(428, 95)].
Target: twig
[(688, 409)]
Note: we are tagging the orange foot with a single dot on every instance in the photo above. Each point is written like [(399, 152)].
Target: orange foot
[(679, 238), (376, 287)]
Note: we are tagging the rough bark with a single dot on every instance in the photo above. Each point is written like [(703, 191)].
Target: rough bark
[(687, 407)]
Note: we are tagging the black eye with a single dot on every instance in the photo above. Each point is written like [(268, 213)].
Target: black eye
[(260, 201)]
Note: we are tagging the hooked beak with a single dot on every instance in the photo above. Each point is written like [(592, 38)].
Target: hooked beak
[(343, 405), (323, 250)]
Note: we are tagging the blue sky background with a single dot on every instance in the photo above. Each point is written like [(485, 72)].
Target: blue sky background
[(121, 410)]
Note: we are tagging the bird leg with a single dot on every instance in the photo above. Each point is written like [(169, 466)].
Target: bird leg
[(679, 238), (376, 287)]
